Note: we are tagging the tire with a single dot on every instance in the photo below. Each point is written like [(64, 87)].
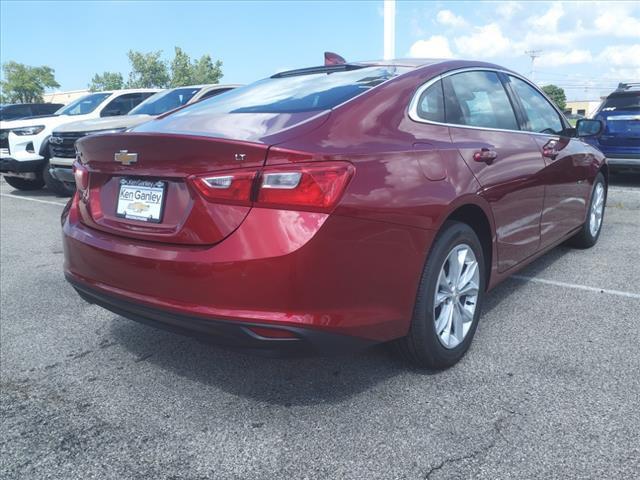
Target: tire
[(61, 189), (588, 235), (424, 346), (25, 183)]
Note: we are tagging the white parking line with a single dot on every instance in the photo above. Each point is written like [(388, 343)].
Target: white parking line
[(32, 199), (577, 287)]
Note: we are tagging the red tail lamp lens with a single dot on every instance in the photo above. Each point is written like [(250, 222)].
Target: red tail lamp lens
[(81, 175), (226, 187), (315, 187)]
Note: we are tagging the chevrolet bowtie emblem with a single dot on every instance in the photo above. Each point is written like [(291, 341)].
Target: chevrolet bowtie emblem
[(125, 158)]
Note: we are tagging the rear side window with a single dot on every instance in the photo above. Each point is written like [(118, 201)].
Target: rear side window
[(627, 101), (15, 111), (214, 93), (478, 99), (431, 103), (541, 116), (164, 101)]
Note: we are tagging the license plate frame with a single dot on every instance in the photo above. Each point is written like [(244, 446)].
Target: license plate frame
[(137, 196)]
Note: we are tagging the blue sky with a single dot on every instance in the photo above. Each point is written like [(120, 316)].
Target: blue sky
[(587, 47)]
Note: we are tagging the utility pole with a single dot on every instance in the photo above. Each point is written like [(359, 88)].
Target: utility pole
[(389, 29), (533, 54)]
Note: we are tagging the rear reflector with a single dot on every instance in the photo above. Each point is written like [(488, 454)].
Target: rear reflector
[(313, 186), (272, 332)]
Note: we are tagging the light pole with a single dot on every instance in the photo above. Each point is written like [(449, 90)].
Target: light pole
[(389, 29)]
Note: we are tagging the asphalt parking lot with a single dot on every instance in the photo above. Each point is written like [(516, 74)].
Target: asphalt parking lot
[(549, 389)]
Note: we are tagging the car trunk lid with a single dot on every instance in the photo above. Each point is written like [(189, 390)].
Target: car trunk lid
[(122, 168)]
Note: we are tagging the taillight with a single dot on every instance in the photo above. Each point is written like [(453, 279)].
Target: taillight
[(313, 186), (81, 175), (316, 186), (227, 187)]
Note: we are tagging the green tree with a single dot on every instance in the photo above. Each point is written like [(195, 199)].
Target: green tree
[(556, 94), (148, 70), (106, 81), (206, 70), (185, 72), (25, 84), (181, 69)]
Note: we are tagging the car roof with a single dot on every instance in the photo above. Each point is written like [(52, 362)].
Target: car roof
[(129, 90), (411, 63)]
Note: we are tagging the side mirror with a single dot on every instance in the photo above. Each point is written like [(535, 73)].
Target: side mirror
[(587, 127)]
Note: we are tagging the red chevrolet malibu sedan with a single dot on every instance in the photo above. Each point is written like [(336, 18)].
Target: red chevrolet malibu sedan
[(333, 207)]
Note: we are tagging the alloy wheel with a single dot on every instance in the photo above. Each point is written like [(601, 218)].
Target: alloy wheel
[(456, 296), (597, 209)]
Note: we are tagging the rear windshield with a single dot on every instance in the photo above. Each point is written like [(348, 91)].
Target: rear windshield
[(83, 105), (297, 93), (162, 102), (622, 101)]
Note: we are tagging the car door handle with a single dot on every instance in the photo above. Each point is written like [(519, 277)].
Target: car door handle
[(485, 155)]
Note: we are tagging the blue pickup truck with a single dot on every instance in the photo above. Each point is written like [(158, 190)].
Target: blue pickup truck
[(620, 140)]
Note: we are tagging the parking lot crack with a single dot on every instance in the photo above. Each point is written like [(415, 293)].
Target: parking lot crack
[(495, 434)]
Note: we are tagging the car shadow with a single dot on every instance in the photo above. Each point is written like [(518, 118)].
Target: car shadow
[(286, 381), (42, 193), (625, 179)]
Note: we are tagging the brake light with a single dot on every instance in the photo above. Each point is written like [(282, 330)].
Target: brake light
[(316, 186), (312, 186), (227, 187), (81, 175)]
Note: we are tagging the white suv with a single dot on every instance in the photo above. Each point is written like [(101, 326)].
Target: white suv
[(25, 165), (63, 138)]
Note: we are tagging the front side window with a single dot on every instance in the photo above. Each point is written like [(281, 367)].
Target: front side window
[(162, 102), (84, 105), (541, 116), (124, 103), (431, 103), (292, 93), (478, 99)]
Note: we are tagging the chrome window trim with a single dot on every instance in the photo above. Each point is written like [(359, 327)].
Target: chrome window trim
[(413, 105)]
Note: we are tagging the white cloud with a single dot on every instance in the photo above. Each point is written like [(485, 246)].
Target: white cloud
[(485, 42), (618, 24), (621, 55), (548, 21), (450, 19), (508, 9), (436, 46), (559, 58)]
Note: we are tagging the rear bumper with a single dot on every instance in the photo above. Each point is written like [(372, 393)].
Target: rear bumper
[(330, 275), (227, 333), (11, 165)]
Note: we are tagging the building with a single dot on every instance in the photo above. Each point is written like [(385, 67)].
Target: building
[(64, 97), (586, 108)]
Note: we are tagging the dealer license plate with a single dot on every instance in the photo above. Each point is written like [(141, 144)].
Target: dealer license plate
[(141, 200)]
